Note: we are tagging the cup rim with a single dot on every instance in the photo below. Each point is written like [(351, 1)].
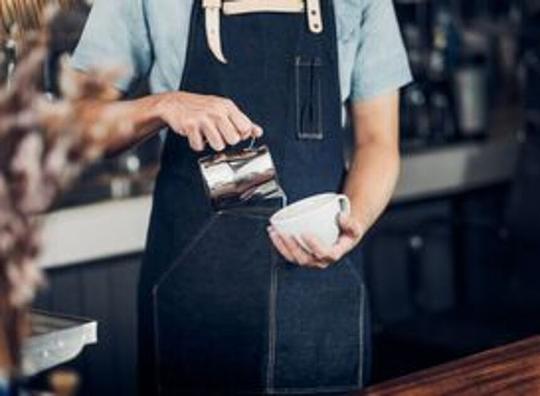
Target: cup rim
[(277, 216)]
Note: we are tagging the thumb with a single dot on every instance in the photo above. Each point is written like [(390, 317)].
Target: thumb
[(350, 225)]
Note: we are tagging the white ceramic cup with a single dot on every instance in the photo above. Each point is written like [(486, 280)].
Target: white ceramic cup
[(316, 216)]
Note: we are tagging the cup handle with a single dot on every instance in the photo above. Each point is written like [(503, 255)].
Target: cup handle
[(345, 204)]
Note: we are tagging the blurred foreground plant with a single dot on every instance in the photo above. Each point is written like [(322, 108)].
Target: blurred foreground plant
[(44, 145)]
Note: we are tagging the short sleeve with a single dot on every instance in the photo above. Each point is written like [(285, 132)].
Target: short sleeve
[(115, 36), (381, 63)]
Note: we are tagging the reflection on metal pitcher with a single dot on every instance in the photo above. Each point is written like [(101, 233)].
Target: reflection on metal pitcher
[(240, 177)]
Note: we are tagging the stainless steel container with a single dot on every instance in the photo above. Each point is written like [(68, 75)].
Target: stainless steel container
[(472, 102), (240, 177)]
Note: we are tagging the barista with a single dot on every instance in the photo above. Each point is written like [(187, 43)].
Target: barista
[(286, 72)]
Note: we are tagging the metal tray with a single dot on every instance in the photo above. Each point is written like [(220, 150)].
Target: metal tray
[(56, 339)]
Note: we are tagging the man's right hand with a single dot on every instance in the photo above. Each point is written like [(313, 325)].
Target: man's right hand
[(205, 119)]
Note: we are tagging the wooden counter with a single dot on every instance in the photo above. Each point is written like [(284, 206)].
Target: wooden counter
[(509, 370)]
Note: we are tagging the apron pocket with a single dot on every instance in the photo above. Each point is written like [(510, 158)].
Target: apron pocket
[(319, 332), (308, 100)]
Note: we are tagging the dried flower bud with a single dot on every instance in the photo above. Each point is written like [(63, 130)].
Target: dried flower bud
[(44, 146)]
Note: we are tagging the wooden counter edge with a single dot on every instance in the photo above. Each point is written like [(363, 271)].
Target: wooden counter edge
[(513, 369)]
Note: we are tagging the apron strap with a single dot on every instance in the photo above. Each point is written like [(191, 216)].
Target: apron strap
[(255, 6), (213, 10), (314, 16)]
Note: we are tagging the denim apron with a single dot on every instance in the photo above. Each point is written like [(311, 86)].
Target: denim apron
[(220, 312)]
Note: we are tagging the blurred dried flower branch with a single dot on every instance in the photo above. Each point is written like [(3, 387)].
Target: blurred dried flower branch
[(44, 145), (27, 15)]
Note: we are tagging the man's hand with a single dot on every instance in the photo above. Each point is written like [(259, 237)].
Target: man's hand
[(205, 119), (319, 255)]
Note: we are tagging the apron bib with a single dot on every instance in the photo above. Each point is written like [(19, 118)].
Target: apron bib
[(219, 311)]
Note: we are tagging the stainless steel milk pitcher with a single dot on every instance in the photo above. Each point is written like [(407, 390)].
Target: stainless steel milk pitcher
[(240, 177)]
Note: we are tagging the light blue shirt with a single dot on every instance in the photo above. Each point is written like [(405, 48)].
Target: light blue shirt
[(4, 386), (149, 38)]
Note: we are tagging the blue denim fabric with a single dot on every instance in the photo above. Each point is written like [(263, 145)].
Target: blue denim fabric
[(212, 310), (150, 38), (249, 323), (231, 316)]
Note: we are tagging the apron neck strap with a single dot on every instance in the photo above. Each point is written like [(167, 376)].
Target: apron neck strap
[(213, 9)]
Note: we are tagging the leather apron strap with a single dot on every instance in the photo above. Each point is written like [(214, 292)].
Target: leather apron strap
[(213, 9), (253, 6)]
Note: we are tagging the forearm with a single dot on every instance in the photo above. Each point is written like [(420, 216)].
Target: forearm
[(143, 116), (372, 178), (375, 164)]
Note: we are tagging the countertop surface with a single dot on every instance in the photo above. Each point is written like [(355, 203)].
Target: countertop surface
[(118, 227), (509, 370), (55, 339)]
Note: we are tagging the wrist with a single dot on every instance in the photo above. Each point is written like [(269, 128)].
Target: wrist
[(361, 224), (162, 105), (362, 230)]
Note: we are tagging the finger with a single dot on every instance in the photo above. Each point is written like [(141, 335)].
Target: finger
[(299, 254), (280, 245), (228, 131), (241, 122), (190, 131), (310, 260), (183, 129), (350, 225), (257, 131), (196, 141), (213, 136), (316, 261), (323, 264), (321, 252), (343, 246), (324, 256), (319, 264)]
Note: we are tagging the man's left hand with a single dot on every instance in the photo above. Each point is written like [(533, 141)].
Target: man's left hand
[(318, 255)]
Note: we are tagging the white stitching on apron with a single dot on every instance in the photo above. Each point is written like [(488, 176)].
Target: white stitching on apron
[(361, 335), (272, 325)]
